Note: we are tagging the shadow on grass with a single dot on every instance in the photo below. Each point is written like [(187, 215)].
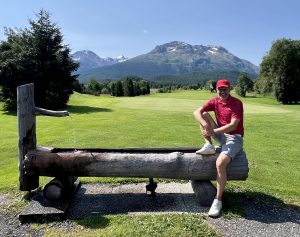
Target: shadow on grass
[(10, 113), (260, 207), (79, 109), (73, 109)]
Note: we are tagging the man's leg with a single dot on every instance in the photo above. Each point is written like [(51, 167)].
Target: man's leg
[(221, 164), (208, 148), (209, 120)]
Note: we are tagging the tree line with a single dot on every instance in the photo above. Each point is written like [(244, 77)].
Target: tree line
[(37, 55), (127, 86)]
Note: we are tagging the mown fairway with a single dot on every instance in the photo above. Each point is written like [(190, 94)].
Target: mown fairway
[(272, 135)]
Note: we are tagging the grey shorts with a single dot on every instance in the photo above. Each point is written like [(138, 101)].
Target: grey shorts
[(231, 145)]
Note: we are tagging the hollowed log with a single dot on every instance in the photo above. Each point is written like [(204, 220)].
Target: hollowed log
[(175, 165)]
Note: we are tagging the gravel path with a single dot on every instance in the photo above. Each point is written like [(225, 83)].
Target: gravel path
[(9, 223), (259, 219)]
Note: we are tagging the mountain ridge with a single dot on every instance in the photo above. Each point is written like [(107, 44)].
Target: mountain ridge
[(174, 58)]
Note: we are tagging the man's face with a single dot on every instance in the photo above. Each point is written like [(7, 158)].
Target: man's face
[(223, 92)]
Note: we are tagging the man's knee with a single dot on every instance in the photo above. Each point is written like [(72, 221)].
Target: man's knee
[(206, 115), (223, 161)]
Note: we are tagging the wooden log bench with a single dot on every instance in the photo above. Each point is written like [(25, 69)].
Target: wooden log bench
[(170, 163), (66, 164)]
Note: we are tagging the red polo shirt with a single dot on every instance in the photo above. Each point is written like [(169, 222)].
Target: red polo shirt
[(225, 111)]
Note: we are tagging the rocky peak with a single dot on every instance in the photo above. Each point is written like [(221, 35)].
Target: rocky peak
[(121, 58), (173, 47), (89, 60)]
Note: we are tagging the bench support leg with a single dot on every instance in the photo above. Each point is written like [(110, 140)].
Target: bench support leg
[(205, 191), (59, 187), (151, 188)]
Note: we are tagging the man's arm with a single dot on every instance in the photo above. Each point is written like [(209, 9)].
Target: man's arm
[(202, 117), (198, 114), (228, 127)]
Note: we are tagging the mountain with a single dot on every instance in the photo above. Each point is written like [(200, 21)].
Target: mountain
[(89, 60), (174, 59)]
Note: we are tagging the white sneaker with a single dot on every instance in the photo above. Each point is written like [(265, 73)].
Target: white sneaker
[(207, 149), (215, 209)]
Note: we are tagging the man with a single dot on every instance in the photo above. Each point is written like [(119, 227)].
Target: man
[(228, 131)]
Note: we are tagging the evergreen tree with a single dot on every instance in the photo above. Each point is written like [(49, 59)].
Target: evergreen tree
[(136, 88), (119, 89), (128, 87), (145, 87), (112, 88), (37, 55), (78, 87), (93, 87)]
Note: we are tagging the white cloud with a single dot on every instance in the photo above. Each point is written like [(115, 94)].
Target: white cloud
[(145, 31)]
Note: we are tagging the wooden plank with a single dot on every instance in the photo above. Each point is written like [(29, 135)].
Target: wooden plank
[(48, 112), (175, 165)]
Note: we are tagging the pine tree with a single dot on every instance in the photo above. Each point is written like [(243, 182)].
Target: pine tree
[(119, 89), (113, 88), (128, 87), (136, 88), (37, 55)]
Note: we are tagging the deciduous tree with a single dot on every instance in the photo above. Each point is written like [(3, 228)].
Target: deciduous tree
[(280, 71)]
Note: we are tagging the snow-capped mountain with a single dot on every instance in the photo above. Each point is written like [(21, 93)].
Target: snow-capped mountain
[(200, 57), (175, 59), (89, 60), (121, 58)]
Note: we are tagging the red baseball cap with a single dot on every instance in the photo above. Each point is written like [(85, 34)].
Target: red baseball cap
[(223, 83)]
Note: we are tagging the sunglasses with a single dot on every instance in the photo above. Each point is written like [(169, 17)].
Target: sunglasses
[(223, 89)]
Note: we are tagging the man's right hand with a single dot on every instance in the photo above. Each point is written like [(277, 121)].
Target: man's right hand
[(207, 132)]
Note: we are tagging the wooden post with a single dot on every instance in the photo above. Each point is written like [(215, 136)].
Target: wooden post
[(27, 134)]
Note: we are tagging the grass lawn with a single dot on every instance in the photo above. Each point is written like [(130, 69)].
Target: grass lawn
[(272, 135)]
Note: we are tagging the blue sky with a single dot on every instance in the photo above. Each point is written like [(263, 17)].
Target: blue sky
[(133, 27)]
